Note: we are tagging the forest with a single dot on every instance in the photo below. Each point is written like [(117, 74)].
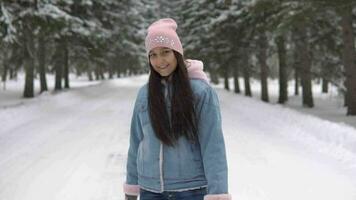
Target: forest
[(294, 41)]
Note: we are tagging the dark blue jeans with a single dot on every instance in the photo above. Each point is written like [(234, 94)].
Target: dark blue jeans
[(197, 194)]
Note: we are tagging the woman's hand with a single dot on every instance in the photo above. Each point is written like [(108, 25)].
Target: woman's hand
[(130, 197)]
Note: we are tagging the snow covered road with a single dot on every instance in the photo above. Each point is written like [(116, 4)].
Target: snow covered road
[(73, 145), (270, 158)]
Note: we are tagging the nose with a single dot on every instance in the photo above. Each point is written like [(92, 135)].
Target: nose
[(160, 60)]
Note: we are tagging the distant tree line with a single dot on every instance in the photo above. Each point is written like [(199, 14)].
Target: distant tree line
[(309, 39), (65, 36)]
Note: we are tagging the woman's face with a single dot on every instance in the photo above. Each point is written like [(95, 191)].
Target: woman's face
[(163, 60)]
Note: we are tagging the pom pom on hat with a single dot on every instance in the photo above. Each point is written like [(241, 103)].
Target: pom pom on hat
[(162, 33)]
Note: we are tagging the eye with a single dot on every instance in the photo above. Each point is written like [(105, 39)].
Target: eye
[(167, 51), (152, 55)]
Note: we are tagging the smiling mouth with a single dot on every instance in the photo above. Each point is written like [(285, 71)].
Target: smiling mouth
[(163, 67)]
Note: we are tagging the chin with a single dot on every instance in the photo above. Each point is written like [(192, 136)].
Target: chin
[(165, 75)]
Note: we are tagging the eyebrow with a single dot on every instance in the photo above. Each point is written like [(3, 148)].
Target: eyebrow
[(163, 48)]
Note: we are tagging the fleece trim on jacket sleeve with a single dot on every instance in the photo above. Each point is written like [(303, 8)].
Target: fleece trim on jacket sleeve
[(133, 190), (217, 197)]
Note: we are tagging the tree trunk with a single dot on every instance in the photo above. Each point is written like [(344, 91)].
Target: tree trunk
[(118, 72), (101, 73), (58, 67), (4, 74), (90, 75), (305, 65), (262, 58), (246, 71), (66, 63), (29, 63), (29, 78), (226, 77), (236, 79), (12, 74), (246, 74), (111, 72), (296, 63), (283, 79), (349, 59), (325, 86), (345, 97), (96, 73), (214, 76), (42, 64), (296, 79)]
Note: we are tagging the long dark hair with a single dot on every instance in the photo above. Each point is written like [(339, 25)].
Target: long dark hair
[(183, 121)]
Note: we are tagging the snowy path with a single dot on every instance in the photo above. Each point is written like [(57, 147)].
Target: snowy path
[(72, 146), (265, 165)]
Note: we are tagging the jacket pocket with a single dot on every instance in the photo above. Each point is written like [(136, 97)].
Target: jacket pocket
[(191, 162), (191, 168), (149, 155)]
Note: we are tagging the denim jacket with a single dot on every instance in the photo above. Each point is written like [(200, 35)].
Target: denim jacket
[(156, 167)]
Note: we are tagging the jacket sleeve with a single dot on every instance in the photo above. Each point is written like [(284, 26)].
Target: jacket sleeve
[(212, 145), (131, 186)]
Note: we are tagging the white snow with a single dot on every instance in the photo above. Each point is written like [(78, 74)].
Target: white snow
[(7, 19), (53, 11), (73, 145)]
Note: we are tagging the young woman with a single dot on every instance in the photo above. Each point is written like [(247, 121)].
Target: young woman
[(177, 149)]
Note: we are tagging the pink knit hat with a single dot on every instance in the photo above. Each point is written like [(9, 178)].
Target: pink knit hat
[(162, 33)]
